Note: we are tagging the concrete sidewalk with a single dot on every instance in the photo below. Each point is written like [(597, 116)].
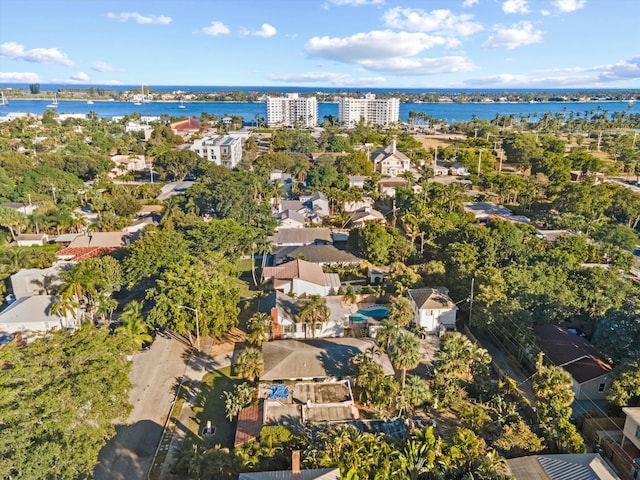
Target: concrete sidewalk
[(176, 430)]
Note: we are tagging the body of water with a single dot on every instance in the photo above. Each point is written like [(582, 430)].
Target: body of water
[(451, 112), (375, 313)]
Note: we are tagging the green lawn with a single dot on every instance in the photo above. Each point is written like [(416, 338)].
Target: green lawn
[(210, 406)]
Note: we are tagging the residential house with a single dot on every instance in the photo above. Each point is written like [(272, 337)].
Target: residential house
[(389, 161), (357, 181), (190, 125), (459, 169), (141, 222), (93, 244), (388, 186), (579, 466), (433, 309), (300, 277), (294, 474), (291, 219), (319, 254), (32, 239), (366, 215), (302, 236), (596, 177), (24, 208), (284, 311), (318, 205), (221, 150), (32, 316), (589, 370), (483, 211), (127, 163), (631, 433), (356, 205), (319, 359), (377, 274), (38, 281)]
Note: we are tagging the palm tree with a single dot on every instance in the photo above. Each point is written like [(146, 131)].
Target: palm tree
[(133, 324), (314, 310), (404, 353), (401, 311), (259, 328), (249, 363)]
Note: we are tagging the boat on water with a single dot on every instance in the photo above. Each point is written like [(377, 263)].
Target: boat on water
[(181, 104), (3, 101), (89, 102), (54, 103)]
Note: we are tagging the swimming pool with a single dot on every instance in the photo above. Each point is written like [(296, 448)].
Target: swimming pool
[(363, 315)]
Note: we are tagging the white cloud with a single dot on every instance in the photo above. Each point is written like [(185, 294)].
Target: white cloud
[(139, 18), (36, 55), (80, 76), (420, 66), (266, 31), (515, 6), (469, 3), (102, 67), (565, 77), (357, 3), (437, 21), (325, 77), (375, 45), (568, 5), (516, 36), (216, 29), (545, 13), (19, 77)]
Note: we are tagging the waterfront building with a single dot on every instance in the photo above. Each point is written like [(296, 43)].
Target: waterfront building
[(292, 110), (222, 150), (373, 111)]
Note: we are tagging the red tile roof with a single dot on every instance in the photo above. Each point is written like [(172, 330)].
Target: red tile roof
[(82, 253), (249, 424), (191, 124), (571, 352)]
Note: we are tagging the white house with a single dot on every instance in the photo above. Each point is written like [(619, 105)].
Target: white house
[(25, 208), (291, 219), (363, 216), (318, 205), (302, 236), (302, 278), (127, 163), (284, 310), (32, 239), (221, 150), (32, 316), (433, 309), (38, 281), (389, 161)]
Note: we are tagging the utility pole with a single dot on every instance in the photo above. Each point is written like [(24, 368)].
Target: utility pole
[(471, 299), (479, 160), (151, 169), (53, 192)]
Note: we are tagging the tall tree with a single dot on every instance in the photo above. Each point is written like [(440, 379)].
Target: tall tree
[(404, 353)]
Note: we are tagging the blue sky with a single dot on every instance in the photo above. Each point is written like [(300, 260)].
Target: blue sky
[(324, 43)]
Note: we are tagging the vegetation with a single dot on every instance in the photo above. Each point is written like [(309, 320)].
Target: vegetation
[(59, 398)]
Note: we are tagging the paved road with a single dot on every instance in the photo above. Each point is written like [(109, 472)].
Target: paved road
[(174, 188), (155, 374)]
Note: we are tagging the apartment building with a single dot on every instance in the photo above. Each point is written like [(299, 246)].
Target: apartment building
[(292, 110), (221, 149), (370, 109)]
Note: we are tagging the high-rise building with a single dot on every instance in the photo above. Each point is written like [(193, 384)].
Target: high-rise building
[(292, 110), (373, 111)]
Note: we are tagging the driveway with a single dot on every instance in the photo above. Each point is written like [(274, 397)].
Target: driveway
[(155, 374)]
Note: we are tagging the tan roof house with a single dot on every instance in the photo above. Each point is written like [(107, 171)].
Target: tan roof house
[(433, 309), (301, 277), (389, 161), (581, 466)]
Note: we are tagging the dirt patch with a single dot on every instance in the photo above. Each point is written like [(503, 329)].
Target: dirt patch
[(226, 343), (440, 141)]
